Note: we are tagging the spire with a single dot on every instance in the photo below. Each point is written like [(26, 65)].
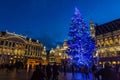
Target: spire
[(91, 22), (65, 40), (92, 28)]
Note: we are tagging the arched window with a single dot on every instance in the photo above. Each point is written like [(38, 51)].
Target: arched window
[(116, 40), (98, 43), (101, 42), (110, 41), (106, 42)]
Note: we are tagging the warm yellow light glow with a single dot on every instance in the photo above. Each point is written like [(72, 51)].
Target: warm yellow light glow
[(118, 62), (100, 62), (15, 56), (111, 41), (113, 62), (11, 58), (15, 51), (60, 54)]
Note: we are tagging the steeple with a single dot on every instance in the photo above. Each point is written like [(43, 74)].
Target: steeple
[(92, 28)]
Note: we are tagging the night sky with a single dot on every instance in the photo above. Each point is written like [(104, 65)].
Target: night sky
[(49, 20)]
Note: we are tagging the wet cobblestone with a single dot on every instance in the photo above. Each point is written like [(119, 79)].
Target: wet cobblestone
[(23, 75)]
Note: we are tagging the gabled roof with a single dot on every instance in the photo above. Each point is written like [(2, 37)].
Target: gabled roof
[(108, 27), (16, 37)]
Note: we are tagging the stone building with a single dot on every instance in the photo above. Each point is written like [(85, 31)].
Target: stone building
[(14, 47), (107, 38), (58, 54)]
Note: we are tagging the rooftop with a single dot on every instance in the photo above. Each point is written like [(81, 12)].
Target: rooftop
[(108, 27)]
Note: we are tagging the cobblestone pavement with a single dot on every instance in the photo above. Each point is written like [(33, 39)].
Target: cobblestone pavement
[(77, 76), (23, 75), (13, 75)]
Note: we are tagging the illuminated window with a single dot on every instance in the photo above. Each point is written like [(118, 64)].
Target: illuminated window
[(106, 42), (16, 45), (101, 42), (111, 41), (15, 51), (98, 43), (113, 62), (116, 40)]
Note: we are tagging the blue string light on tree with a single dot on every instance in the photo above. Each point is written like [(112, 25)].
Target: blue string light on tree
[(81, 44)]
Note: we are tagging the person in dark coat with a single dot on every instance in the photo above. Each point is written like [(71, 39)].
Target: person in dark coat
[(86, 71), (17, 65), (107, 73), (38, 74), (118, 72), (94, 71), (64, 69), (55, 72), (48, 71), (73, 70)]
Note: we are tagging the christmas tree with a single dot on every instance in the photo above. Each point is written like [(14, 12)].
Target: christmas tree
[(81, 44)]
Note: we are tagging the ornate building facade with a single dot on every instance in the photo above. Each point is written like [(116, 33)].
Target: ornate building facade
[(107, 41), (58, 54), (14, 47)]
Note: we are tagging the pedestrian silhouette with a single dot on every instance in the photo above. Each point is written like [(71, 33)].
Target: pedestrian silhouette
[(64, 69), (94, 71), (48, 71), (107, 73), (118, 73), (38, 74), (55, 72), (30, 68), (73, 69), (86, 71)]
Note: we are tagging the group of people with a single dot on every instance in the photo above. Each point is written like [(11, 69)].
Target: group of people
[(10, 66), (49, 72), (107, 73)]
